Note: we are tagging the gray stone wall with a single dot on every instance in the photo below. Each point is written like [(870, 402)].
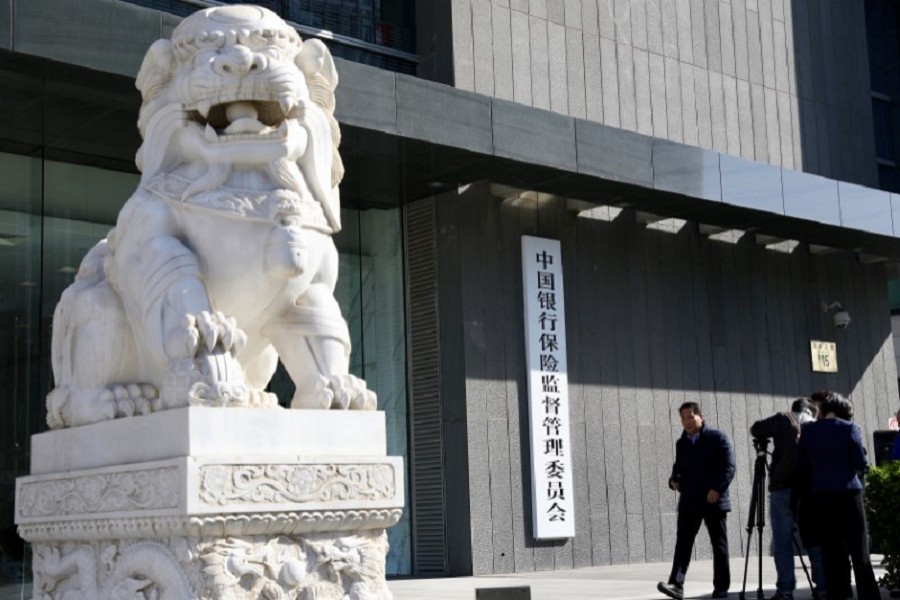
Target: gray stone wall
[(105, 35), (654, 318), (783, 82)]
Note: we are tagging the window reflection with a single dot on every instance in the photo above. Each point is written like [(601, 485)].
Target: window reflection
[(20, 352), (883, 40), (386, 23)]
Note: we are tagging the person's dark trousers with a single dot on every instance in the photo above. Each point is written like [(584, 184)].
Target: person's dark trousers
[(688, 526), (845, 531), (842, 566)]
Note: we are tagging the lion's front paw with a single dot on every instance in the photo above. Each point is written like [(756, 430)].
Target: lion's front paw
[(130, 400), (210, 379), (208, 330), (339, 392), (262, 399), (66, 408), (351, 392)]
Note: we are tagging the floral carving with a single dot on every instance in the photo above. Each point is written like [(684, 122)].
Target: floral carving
[(107, 492), (230, 484)]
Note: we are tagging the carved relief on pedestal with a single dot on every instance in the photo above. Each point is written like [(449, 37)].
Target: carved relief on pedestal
[(139, 571), (101, 493), (252, 484), (314, 567)]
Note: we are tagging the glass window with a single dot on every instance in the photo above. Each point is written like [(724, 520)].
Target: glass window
[(884, 130), (21, 351), (883, 38), (387, 23), (370, 292), (889, 178)]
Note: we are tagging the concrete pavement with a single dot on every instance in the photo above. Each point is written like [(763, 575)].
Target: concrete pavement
[(619, 582)]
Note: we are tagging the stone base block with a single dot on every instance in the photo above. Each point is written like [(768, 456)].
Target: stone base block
[(318, 566), (212, 519), (200, 431)]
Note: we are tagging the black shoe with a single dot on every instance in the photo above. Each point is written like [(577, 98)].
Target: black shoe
[(672, 590), (784, 596), (719, 594)]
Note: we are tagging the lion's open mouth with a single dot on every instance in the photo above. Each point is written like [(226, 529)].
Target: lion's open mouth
[(244, 119)]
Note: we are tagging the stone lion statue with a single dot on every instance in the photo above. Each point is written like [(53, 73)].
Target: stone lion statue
[(222, 261)]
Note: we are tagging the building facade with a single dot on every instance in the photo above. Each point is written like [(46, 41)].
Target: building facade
[(714, 170)]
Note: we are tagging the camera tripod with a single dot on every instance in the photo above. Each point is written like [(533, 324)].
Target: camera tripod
[(757, 519)]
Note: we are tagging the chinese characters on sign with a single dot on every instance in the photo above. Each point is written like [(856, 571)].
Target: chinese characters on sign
[(548, 389), (824, 356)]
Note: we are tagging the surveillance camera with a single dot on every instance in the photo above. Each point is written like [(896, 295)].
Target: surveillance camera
[(841, 319)]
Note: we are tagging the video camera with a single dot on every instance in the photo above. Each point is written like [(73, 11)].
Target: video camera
[(761, 446)]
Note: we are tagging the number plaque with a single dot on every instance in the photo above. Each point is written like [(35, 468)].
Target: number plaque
[(824, 356)]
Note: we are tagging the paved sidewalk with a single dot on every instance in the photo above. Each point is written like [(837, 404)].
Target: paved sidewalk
[(618, 582)]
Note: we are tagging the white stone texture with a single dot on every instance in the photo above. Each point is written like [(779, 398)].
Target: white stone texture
[(91, 504), (320, 566), (194, 525), (222, 261), (203, 431)]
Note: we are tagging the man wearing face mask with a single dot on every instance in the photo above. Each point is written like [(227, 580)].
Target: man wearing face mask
[(703, 470), (784, 429)]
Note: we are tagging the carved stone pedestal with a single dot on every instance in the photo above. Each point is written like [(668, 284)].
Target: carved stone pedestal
[(213, 503)]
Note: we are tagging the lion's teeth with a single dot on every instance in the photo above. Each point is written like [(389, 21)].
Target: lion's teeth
[(203, 106), (210, 134), (287, 104)]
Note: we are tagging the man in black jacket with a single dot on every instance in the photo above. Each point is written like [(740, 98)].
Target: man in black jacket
[(703, 470), (784, 429)]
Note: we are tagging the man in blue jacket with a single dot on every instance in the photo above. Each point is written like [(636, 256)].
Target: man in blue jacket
[(703, 470), (831, 456)]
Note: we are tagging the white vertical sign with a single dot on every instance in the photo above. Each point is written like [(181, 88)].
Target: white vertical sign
[(553, 502)]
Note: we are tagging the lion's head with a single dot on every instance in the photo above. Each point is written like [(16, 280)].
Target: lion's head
[(234, 91)]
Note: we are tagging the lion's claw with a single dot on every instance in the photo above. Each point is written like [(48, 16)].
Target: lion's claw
[(240, 340), (228, 339), (208, 330)]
